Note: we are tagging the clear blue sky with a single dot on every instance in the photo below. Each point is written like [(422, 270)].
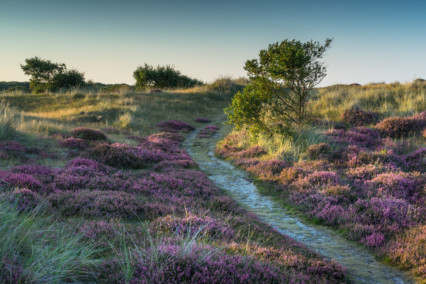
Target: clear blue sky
[(374, 40)]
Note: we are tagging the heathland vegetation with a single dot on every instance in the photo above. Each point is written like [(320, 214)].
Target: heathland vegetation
[(357, 165), (95, 185)]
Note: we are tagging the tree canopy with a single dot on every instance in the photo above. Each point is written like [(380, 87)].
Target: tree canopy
[(281, 85), (49, 76), (162, 77)]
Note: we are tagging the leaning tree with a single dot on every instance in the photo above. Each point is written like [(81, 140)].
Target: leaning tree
[(282, 80)]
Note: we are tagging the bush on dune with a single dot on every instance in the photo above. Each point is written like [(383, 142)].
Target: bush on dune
[(397, 127), (88, 134), (358, 117)]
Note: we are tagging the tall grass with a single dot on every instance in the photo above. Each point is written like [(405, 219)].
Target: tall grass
[(135, 111), (8, 121), (385, 99), (47, 253)]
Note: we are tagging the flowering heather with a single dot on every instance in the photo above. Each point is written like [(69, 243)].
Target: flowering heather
[(208, 131), (359, 136), (290, 259), (251, 152), (318, 151), (362, 174), (389, 215), (110, 204), (267, 170), (24, 199), (359, 117), (164, 136), (88, 134), (174, 164), (396, 127), (374, 240), (202, 120), (175, 126), (81, 177), (415, 161), (192, 225), (24, 181), (320, 178), (74, 143), (224, 204), (123, 156), (33, 170), (12, 149), (200, 265), (408, 186)]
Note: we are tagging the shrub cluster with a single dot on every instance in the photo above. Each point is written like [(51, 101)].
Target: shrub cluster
[(88, 134), (175, 126), (358, 117), (397, 127)]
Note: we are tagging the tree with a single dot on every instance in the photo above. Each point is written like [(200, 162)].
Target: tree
[(68, 79), (162, 77), (281, 86), (49, 76)]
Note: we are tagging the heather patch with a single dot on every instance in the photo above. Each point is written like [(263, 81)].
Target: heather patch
[(200, 265), (74, 143), (396, 127), (192, 225), (24, 200), (358, 117), (175, 126), (408, 186), (202, 120), (109, 204), (208, 131)]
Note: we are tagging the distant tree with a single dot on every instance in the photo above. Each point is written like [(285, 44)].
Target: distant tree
[(49, 76), (162, 77), (67, 79), (281, 86)]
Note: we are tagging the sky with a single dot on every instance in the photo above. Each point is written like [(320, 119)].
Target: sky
[(373, 41)]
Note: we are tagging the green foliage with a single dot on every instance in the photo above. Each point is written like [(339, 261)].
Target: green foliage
[(49, 76), (162, 77), (281, 86), (246, 110), (67, 80)]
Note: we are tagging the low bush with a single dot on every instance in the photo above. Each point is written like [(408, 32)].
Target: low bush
[(74, 143), (396, 127), (358, 117), (88, 134), (175, 126), (202, 120), (24, 200), (110, 204)]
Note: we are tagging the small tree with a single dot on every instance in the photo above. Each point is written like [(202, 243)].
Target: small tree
[(282, 80), (49, 76)]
